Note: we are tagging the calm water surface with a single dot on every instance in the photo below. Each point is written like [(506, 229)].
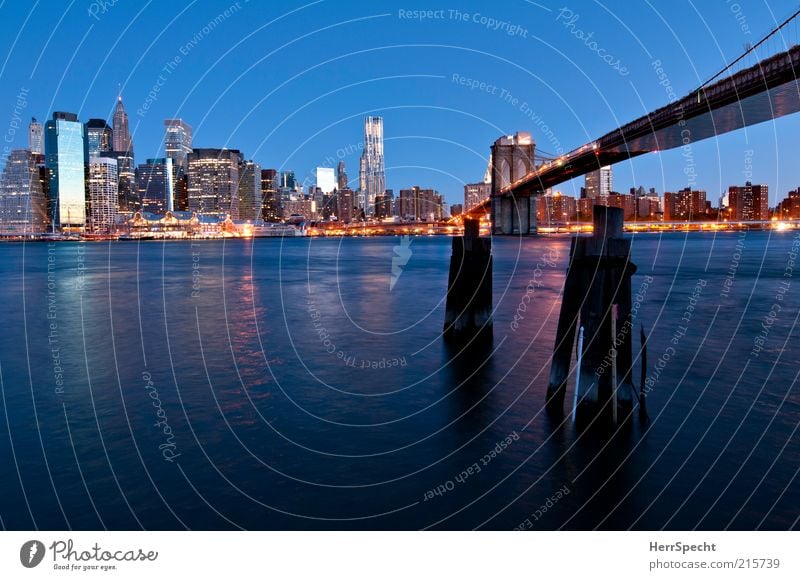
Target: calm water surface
[(303, 383)]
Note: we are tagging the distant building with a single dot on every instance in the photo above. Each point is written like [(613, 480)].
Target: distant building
[(383, 204), (556, 208), (64, 152), (325, 179), (99, 138), (213, 181), (23, 206), (121, 133), (346, 203), (128, 195), (648, 208), (417, 204), (625, 202), (288, 180), (789, 208), (475, 194), (177, 141), (685, 205), (154, 184), (102, 187), (270, 198), (250, 196), (599, 183), (372, 177), (36, 137), (456, 209), (341, 176), (748, 203)]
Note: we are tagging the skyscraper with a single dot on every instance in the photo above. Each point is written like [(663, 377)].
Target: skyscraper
[(177, 140), (270, 199), (475, 194), (341, 176), (36, 137), (372, 179), (102, 186), (23, 207), (99, 138), (599, 182), (122, 136), (250, 198), (213, 181), (155, 185), (64, 151)]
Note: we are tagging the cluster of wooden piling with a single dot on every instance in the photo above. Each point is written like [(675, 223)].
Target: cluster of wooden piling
[(597, 298)]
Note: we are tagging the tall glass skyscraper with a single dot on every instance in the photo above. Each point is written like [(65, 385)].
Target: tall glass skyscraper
[(155, 184), (177, 140), (102, 186), (250, 191), (36, 137), (372, 175), (23, 208), (99, 138), (63, 144)]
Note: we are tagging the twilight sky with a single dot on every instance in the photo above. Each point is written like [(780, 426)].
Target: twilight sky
[(289, 83)]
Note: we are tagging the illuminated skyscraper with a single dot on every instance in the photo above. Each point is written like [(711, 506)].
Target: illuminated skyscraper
[(102, 186), (64, 150), (270, 198), (177, 140), (36, 137), (341, 177), (23, 207), (599, 183), (122, 136), (99, 139), (213, 181), (154, 183), (250, 191), (372, 178)]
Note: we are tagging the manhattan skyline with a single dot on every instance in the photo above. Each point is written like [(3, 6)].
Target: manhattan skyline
[(447, 84)]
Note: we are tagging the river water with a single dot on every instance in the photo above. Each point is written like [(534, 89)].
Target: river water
[(304, 384)]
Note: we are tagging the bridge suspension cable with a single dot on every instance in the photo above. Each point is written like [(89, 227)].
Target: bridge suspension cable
[(770, 41)]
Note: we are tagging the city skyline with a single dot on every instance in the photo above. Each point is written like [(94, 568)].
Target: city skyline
[(274, 135)]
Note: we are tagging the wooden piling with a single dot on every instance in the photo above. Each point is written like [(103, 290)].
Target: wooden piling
[(598, 278), (468, 309)]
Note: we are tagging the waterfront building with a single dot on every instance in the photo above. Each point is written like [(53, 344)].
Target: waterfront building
[(599, 183), (748, 203), (155, 185), (417, 204), (64, 152), (177, 141), (270, 198), (475, 194), (250, 196), (213, 181), (685, 205), (102, 186), (23, 206)]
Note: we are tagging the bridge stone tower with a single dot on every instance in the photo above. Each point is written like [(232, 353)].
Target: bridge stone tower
[(512, 159)]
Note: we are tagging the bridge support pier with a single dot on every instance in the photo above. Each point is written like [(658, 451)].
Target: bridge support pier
[(597, 290), (514, 216), (468, 310)]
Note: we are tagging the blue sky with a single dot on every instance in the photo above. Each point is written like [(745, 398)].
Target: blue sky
[(288, 83)]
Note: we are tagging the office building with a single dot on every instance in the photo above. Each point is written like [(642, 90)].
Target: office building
[(99, 138), (685, 205), (64, 153), (250, 196), (36, 137), (177, 141), (23, 206), (475, 194), (121, 134), (102, 186), (213, 181), (417, 204), (599, 183), (341, 176), (155, 185), (270, 198), (325, 179)]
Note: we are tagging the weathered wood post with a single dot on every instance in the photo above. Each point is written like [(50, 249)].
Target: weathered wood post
[(598, 279), (469, 287)]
